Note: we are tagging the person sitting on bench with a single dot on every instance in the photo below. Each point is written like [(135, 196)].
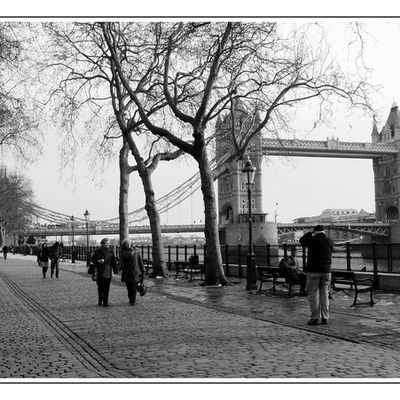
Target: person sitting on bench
[(290, 270)]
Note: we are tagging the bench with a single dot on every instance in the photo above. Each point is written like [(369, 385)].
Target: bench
[(148, 266), (189, 269), (273, 275), (344, 281)]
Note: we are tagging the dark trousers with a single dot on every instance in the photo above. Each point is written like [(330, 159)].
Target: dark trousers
[(54, 265), (103, 288), (131, 286)]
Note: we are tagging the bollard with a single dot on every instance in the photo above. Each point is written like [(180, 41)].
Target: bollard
[(239, 260), (348, 256), (376, 282), (227, 260)]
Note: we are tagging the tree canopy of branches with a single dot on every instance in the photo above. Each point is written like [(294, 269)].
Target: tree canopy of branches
[(88, 84), (18, 127), (195, 72), (16, 198)]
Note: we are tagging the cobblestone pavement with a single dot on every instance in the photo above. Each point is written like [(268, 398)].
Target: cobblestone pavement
[(52, 328)]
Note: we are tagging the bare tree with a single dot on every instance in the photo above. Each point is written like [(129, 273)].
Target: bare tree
[(201, 70), (19, 134), (16, 199), (91, 85)]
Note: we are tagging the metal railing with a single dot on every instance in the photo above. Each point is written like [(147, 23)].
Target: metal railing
[(373, 258)]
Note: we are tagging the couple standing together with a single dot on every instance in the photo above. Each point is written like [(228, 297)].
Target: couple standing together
[(319, 261), (105, 264)]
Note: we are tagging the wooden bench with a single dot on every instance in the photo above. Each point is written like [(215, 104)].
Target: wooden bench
[(188, 269), (148, 266), (272, 274), (344, 281)]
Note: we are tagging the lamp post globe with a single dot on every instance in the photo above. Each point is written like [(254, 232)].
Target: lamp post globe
[(249, 170), (87, 215), (72, 219)]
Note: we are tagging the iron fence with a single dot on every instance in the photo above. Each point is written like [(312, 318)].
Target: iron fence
[(374, 257)]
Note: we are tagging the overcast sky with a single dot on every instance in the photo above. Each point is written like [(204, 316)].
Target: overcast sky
[(291, 187)]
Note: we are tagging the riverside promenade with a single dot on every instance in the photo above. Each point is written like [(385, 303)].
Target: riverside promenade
[(52, 329)]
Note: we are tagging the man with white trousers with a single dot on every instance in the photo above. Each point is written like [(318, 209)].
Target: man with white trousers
[(319, 261)]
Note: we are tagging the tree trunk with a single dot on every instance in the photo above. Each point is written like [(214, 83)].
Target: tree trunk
[(214, 272), (123, 193), (159, 266)]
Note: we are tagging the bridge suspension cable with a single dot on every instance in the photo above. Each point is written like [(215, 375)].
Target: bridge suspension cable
[(163, 204)]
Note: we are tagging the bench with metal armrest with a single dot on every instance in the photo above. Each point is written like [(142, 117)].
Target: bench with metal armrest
[(148, 266), (189, 268), (345, 281), (273, 275)]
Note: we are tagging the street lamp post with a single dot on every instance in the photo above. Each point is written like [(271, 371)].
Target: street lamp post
[(87, 215), (250, 170), (73, 241)]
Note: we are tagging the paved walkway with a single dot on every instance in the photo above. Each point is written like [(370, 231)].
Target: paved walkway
[(52, 328)]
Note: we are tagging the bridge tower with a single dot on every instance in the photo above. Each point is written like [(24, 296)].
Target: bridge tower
[(387, 174), (232, 190), (387, 170)]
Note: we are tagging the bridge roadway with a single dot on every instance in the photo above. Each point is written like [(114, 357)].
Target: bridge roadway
[(368, 229), (326, 148)]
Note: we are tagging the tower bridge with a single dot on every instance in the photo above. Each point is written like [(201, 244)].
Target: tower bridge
[(232, 191), (366, 229)]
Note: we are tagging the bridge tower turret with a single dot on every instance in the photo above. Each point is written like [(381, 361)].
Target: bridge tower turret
[(387, 171), (232, 190)]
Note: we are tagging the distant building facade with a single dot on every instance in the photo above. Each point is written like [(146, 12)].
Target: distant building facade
[(335, 215)]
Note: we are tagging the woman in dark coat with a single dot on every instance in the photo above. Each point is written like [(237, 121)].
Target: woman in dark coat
[(132, 269), (43, 258)]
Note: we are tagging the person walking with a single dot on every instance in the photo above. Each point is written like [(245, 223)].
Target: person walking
[(319, 261), (5, 251), (105, 264), (43, 258), (56, 254), (132, 268)]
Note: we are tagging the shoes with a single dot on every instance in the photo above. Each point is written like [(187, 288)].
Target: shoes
[(132, 303), (312, 321), (106, 305), (324, 321)]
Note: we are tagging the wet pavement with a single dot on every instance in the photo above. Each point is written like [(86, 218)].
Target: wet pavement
[(53, 329)]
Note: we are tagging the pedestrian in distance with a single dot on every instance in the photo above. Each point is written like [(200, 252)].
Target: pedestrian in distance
[(5, 251), (132, 268), (55, 254), (290, 269), (105, 264), (319, 261), (43, 259)]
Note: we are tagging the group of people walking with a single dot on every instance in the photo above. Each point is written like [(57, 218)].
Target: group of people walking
[(315, 281), (50, 254), (103, 266)]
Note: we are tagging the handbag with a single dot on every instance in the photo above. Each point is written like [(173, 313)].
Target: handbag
[(141, 288), (91, 269)]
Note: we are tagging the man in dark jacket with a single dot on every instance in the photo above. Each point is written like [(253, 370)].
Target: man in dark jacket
[(105, 264), (55, 255), (319, 260)]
